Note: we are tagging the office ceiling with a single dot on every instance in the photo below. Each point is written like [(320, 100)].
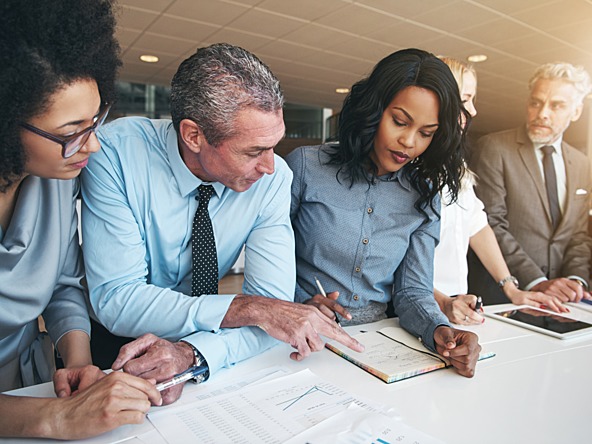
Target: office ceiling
[(315, 46)]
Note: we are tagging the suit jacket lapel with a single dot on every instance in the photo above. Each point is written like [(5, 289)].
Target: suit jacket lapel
[(528, 156)]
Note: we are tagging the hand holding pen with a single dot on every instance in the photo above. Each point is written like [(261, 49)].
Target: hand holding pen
[(190, 373), (463, 309), (330, 303), (479, 305)]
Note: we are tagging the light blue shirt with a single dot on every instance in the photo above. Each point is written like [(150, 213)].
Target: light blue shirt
[(366, 241), (139, 203)]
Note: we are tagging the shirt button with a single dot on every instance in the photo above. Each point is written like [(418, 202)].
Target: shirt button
[(356, 297), (370, 210), (357, 269), (365, 241)]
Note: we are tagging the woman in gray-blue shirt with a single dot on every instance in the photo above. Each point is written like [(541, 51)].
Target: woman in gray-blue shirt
[(365, 212), (58, 62)]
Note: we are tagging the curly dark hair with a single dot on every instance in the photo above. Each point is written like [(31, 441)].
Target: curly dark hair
[(442, 162), (44, 46)]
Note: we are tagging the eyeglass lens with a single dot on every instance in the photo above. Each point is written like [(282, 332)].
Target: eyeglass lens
[(75, 145)]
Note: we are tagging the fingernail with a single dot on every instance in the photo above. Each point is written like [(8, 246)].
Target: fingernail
[(483, 320), (543, 306), (62, 394)]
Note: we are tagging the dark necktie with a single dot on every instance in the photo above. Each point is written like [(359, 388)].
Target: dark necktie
[(551, 184), (204, 260)]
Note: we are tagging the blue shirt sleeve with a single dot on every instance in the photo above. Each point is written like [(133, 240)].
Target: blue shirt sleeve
[(413, 296)]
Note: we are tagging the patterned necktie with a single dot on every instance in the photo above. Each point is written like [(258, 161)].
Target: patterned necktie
[(551, 184), (204, 260)]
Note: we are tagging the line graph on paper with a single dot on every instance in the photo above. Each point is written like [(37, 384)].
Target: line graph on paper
[(290, 402), (270, 412)]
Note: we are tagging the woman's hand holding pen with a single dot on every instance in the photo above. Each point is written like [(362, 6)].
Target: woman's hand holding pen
[(462, 309), (329, 306)]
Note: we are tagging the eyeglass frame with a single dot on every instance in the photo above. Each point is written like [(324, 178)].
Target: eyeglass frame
[(64, 141)]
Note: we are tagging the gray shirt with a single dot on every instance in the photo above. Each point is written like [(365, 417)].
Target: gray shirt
[(40, 273), (366, 241)]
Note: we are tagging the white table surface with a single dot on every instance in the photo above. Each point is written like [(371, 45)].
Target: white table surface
[(534, 390)]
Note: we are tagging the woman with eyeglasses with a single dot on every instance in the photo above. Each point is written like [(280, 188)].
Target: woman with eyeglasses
[(58, 62)]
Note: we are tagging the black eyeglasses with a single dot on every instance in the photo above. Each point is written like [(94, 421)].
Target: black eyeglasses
[(72, 144)]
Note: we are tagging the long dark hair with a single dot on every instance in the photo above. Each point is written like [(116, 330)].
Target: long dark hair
[(442, 163), (44, 46)]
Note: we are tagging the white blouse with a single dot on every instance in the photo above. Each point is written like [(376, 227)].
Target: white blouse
[(460, 220)]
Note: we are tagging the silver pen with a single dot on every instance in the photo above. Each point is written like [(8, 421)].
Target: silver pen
[(190, 373), (322, 291)]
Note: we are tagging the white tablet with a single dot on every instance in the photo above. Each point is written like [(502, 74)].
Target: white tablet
[(543, 321), (584, 304)]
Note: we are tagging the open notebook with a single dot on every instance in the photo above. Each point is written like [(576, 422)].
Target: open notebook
[(392, 354)]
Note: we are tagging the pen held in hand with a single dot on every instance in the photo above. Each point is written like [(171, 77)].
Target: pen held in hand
[(322, 291), (190, 373), (479, 304)]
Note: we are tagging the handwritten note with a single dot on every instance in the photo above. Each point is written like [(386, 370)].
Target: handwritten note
[(388, 355)]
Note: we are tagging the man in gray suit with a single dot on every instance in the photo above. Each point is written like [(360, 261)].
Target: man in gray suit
[(536, 191)]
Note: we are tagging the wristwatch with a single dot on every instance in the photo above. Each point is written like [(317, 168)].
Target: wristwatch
[(199, 361), (507, 279)]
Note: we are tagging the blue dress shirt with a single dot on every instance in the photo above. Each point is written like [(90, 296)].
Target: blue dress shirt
[(139, 203), (366, 241)]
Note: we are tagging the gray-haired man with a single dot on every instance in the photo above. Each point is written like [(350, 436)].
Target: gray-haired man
[(536, 190), (140, 197)]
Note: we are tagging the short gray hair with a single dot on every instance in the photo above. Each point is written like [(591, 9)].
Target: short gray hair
[(217, 82), (576, 75)]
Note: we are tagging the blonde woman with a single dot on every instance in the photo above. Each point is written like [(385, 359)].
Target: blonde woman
[(464, 224)]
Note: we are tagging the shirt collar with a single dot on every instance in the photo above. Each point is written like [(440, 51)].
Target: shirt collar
[(556, 145), (401, 176), (186, 180)]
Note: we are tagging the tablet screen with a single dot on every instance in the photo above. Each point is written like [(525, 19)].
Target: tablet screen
[(541, 319)]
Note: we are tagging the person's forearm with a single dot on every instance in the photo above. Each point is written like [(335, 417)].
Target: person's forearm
[(245, 310), (485, 246), (74, 348), (26, 417), (440, 298)]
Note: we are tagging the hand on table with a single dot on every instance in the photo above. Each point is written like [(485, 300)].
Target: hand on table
[(68, 381), (151, 357), (563, 289), (110, 402), (329, 306), (536, 299), (461, 310), (460, 347)]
